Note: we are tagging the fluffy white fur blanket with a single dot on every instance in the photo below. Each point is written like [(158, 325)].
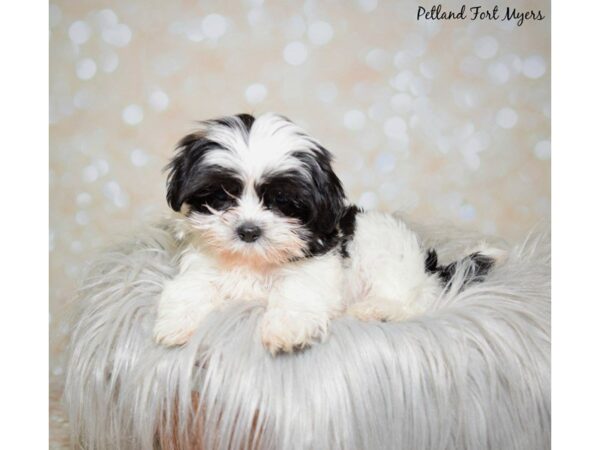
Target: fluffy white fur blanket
[(472, 373)]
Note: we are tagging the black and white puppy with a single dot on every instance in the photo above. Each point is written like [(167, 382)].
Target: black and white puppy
[(263, 217)]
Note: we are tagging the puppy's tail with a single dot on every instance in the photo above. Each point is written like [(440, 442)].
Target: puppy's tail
[(478, 265)]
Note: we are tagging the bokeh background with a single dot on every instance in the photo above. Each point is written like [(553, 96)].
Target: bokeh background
[(440, 119)]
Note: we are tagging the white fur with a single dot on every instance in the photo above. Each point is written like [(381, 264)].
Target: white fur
[(386, 273)]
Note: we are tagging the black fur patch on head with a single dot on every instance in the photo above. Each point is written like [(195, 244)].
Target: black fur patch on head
[(316, 201), (347, 228), (189, 180), (247, 120), (217, 188), (479, 267), (328, 199), (287, 194), (243, 122), (184, 176)]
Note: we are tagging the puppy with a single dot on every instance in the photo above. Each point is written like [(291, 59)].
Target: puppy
[(262, 217)]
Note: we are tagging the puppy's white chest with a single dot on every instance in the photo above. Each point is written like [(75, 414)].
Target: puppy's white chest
[(240, 284)]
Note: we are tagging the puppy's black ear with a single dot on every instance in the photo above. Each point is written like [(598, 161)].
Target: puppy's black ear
[(183, 168), (331, 189), (328, 192)]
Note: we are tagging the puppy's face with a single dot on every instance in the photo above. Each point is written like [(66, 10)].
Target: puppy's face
[(259, 189)]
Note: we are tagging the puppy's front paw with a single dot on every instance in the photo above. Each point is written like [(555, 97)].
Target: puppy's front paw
[(285, 331), (178, 317)]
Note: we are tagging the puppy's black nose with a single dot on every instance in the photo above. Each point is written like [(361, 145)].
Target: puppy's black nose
[(249, 232)]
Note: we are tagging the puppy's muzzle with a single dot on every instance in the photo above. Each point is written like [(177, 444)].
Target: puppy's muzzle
[(249, 232)]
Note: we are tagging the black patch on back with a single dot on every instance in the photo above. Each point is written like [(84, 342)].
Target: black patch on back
[(483, 265), (480, 265), (431, 261)]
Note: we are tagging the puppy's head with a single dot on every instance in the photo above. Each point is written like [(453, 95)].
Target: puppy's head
[(256, 188)]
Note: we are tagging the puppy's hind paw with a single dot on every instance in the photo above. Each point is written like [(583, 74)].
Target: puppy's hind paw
[(379, 310)]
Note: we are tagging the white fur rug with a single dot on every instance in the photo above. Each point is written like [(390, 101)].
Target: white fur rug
[(473, 373)]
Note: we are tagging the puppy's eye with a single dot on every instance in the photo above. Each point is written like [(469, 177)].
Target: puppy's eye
[(218, 199), (221, 195), (286, 202), (280, 198)]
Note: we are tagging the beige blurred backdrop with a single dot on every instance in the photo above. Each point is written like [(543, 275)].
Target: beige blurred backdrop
[(441, 119)]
